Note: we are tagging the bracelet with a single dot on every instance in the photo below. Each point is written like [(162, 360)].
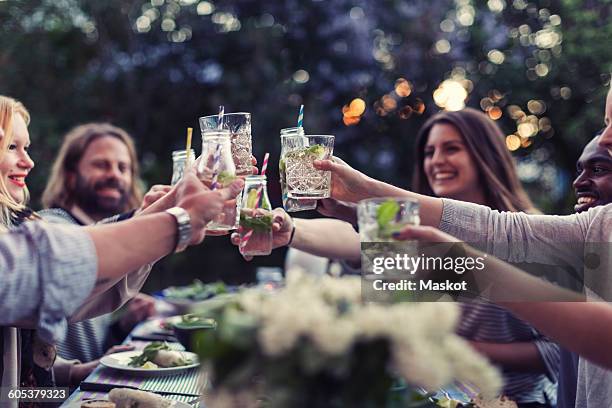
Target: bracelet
[(291, 237)]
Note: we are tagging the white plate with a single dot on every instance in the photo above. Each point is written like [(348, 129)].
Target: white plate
[(154, 326), (120, 361)]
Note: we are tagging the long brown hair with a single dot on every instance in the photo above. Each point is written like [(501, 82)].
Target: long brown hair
[(59, 193), (485, 143)]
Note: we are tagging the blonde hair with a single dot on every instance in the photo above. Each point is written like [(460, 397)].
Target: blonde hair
[(9, 207), (59, 193)]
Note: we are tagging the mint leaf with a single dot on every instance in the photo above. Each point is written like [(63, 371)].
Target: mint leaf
[(386, 213)]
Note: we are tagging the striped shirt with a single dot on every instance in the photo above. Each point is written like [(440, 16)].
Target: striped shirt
[(487, 322), (85, 340)]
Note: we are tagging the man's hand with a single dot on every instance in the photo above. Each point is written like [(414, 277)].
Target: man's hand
[(347, 184), (154, 194), (282, 226), (202, 204)]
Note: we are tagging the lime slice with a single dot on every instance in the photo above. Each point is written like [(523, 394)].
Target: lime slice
[(225, 178), (252, 198), (316, 150)]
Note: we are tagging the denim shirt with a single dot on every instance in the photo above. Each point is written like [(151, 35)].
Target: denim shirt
[(47, 272)]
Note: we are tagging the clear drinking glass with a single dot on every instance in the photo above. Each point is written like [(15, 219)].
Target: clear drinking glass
[(255, 218), (292, 204), (216, 160), (239, 126), (380, 217), (178, 164), (303, 180)]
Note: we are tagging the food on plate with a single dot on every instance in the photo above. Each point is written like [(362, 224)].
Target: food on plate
[(149, 365), (196, 291), (196, 321), (128, 398), (159, 353), (98, 404), (501, 402), (170, 358)]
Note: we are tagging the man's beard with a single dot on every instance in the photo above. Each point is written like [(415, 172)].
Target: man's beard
[(87, 198)]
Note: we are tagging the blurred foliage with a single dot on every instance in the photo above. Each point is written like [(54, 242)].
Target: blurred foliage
[(153, 67)]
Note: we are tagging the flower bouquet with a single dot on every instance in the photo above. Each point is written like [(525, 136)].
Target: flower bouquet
[(315, 343)]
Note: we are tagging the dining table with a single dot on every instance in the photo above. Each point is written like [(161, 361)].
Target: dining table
[(187, 386), (184, 386)]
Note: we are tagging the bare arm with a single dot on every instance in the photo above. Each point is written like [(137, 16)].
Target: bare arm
[(328, 238), (324, 237), (148, 237), (523, 356), (353, 186), (582, 327)]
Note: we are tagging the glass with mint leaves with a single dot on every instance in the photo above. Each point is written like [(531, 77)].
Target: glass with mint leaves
[(302, 180), (291, 204), (255, 218), (380, 217), (216, 169)]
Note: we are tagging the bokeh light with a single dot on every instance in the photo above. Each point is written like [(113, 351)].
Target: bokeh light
[(496, 56), (442, 46), (352, 113), (451, 95), (513, 142), (301, 76), (495, 113), (403, 88)]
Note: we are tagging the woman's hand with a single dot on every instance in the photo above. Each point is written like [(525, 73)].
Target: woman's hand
[(282, 227), (347, 184), (338, 209), (423, 234)]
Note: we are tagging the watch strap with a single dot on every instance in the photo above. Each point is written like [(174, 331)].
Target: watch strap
[(183, 227)]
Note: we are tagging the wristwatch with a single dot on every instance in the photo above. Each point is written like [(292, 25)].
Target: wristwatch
[(183, 227)]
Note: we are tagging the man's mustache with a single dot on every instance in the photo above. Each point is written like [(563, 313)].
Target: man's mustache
[(110, 183)]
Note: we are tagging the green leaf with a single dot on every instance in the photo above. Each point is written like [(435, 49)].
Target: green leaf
[(386, 213)]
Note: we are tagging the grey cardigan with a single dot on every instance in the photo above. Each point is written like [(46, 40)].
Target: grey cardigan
[(582, 241)]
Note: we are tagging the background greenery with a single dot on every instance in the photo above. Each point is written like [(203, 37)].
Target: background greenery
[(154, 67)]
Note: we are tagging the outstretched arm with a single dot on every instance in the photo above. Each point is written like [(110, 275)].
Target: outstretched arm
[(323, 237), (582, 327)]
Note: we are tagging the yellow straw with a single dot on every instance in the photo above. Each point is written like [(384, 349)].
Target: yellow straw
[(188, 148)]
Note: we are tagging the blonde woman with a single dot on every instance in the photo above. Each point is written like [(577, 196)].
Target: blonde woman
[(108, 293)]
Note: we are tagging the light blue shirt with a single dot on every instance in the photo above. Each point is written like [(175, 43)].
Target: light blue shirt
[(46, 273)]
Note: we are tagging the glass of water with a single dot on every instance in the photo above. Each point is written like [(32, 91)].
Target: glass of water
[(380, 217), (239, 126), (302, 179)]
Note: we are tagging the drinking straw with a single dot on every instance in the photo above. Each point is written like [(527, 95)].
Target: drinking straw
[(300, 117), (188, 146), (217, 154), (220, 118), (216, 160), (264, 165)]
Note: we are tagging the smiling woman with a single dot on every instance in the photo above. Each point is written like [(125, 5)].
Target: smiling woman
[(15, 162)]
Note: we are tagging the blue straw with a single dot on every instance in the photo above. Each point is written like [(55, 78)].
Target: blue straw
[(301, 116)]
